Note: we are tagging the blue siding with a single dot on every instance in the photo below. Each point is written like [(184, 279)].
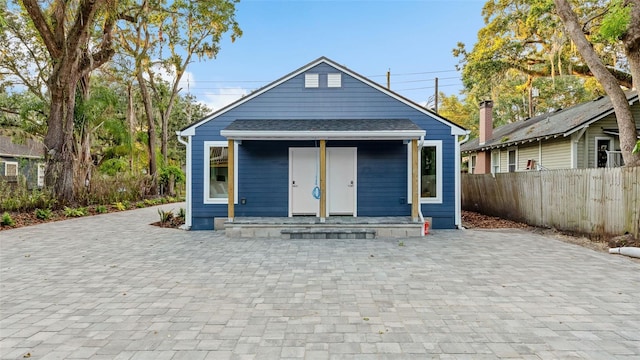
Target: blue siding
[(263, 168)]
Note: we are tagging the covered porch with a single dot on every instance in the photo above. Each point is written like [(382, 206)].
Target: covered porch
[(325, 221)]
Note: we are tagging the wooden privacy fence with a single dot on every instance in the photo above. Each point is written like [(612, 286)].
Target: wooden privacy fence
[(600, 202)]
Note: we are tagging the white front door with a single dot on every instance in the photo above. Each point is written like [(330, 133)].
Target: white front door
[(303, 169), (341, 184)]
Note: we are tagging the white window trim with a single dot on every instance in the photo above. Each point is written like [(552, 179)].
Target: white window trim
[(15, 163), (41, 174), (595, 147), (473, 162), (207, 173), (432, 200), (311, 80), (334, 80), (515, 168), (493, 167)]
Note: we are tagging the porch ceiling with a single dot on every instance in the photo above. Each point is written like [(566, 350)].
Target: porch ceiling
[(315, 129)]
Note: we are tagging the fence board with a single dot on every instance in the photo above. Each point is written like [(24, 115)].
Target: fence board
[(601, 202)]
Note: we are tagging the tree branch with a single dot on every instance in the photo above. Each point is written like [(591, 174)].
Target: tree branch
[(42, 27)]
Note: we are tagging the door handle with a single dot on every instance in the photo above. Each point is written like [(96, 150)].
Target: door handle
[(350, 184), (293, 184)]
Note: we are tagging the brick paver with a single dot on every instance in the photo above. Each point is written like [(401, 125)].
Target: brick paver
[(114, 287)]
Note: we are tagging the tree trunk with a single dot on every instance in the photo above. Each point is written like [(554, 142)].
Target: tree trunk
[(151, 131), (626, 122), (131, 114), (59, 140), (165, 137), (631, 42), (84, 163)]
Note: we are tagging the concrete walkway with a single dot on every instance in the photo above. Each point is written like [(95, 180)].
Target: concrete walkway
[(113, 287)]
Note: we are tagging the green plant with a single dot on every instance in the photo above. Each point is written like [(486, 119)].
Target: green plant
[(101, 209), (182, 213), (44, 214), (7, 220), (165, 216), (150, 202), (75, 212), (120, 206)]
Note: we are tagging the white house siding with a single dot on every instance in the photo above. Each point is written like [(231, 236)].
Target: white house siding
[(526, 152), (556, 153)]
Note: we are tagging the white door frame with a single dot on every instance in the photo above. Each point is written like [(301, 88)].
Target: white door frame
[(355, 179)]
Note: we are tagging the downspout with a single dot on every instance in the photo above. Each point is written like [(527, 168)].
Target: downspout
[(458, 182), (187, 144), (420, 146)]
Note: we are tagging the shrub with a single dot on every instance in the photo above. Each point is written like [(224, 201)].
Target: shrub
[(7, 220), (19, 198), (165, 216), (75, 212), (182, 213), (120, 206), (101, 209), (44, 214)]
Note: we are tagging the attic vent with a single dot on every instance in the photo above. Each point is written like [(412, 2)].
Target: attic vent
[(334, 80), (311, 80)]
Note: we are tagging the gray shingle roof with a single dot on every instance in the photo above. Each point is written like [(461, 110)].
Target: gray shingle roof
[(323, 125), (29, 148), (558, 123)]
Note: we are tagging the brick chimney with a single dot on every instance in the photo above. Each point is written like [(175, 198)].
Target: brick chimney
[(483, 160), (486, 121)]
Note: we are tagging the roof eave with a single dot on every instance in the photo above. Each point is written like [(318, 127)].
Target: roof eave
[(327, 135)]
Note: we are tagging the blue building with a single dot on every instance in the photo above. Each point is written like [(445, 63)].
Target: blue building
[(323, 141)]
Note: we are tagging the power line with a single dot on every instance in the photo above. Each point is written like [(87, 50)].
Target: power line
[(416, 73)]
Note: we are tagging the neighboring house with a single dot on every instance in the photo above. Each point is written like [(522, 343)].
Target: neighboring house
[(582, 136), (22, 160), (322, 126)]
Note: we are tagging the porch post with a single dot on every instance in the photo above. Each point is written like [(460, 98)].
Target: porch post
[(415, 172), (231, 180), (323, 180)]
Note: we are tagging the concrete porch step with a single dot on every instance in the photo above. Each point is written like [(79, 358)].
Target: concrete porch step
[(327, 233)]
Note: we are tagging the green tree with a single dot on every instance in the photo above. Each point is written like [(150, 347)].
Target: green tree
[(627, 15), (67, 29)]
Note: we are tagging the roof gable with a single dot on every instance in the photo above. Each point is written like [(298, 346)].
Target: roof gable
[(190, 129), (554, 124)]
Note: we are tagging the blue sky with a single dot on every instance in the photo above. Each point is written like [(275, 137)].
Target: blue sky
[(412, 39)]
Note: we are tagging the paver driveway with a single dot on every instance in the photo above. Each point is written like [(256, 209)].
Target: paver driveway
[(114, 287)]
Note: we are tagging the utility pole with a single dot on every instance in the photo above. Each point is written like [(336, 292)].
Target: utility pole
[(389, 79), (436, 107)]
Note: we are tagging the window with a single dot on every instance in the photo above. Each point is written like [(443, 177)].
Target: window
[(511, 155), (334, 80), (41, 168), (216, 172), (430, 178), (495, 161), (10, 168), (311, 80), (472, 164)]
